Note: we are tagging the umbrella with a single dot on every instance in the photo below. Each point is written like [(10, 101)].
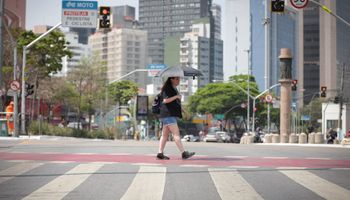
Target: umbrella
[(178, 71)]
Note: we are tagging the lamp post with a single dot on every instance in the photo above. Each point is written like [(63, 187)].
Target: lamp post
[(23, 102)]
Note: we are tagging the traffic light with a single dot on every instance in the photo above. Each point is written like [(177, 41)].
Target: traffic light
[(323, 91), (29, 89), (336, 99), (277, 6), (105, 17), (294, 84)]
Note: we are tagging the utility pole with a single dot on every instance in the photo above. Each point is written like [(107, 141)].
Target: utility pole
[(2, 9), (340, 95)]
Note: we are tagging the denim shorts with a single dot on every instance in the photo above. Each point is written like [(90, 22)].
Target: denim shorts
[(168, 121)]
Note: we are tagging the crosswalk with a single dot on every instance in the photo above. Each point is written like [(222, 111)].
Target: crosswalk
[(95, 180)]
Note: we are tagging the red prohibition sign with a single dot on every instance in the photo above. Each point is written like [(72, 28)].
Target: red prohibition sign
[(299, 3)]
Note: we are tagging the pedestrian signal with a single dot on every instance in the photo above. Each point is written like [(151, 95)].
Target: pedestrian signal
[(105, 17), (277, 6), (294, 84), (323, 91)]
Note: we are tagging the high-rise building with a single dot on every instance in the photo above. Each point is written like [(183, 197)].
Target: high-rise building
[(123, 16), (15, 13), (78, 50), (168, 18), (83, 34), (245, 42), (124, 50), (326, 50)]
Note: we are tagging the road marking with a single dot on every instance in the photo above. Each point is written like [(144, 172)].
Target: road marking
[(86, 153), (322, 187), (16, 170), (275, 157), (119, 154), (287, 168), (229, 183), (61, 162), (235, 156), (148, 184), (318, 158), (194, 165), (146, 164), (244, 167), (62, 185)]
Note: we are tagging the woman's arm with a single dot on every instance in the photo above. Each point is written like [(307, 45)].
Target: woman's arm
[(171, 99)]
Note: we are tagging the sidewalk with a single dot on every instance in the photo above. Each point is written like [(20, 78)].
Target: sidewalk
[(306, 145)]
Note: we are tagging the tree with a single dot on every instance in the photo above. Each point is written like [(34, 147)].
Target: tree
[(122, 91), (314, 110), (89, 82)]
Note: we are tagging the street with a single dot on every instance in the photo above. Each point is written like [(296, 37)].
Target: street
[(69, 168)]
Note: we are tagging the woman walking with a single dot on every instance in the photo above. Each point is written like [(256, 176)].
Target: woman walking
[(169, 113)]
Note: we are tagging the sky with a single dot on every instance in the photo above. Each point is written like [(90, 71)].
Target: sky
[(48, 12)]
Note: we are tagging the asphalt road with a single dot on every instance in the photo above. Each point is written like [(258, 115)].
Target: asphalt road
[(69, 168)]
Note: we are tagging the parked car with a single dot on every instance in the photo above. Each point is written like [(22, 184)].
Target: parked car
[(212, 137), (224, 136), (75, 125), (190, 138)]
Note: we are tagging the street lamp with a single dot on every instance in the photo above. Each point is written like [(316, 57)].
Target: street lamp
[(23, 102)]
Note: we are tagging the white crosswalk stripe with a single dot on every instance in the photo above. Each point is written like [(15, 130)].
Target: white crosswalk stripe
[(229, 183), (320, 186), (62, 185), (16, 170), (148, 184)]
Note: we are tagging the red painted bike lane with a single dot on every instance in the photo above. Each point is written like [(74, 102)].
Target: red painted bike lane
[(209, 161)]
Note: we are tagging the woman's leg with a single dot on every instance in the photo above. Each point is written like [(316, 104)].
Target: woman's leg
[(163, 138), (174, 129)]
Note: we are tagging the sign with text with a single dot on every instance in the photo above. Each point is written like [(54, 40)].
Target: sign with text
[(153, 69), (79, 14)]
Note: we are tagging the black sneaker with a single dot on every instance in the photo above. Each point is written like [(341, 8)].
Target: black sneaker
[(161, 156), (186, 154)]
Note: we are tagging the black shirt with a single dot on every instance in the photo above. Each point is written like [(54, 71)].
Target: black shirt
[(172, 109)]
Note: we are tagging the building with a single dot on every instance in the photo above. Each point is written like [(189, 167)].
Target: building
[(125, 50), (78, 50), (326, 50), (15, 13), (123, 16), (245, 42), (168, 18)]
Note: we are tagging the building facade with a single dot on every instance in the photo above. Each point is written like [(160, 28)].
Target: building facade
[(15, 13), (125, 50), (168, 18), (326, 51)]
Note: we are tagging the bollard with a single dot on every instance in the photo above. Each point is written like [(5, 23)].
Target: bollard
[(302, 138), (319, 138), (250, 139), (293, 138), (312, 138), (268, 138), (284, 138), (275, 138)]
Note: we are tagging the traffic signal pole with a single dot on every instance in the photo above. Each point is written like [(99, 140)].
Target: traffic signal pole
[(23, 101)]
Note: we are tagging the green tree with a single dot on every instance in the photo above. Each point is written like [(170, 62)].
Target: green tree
[(122, 91), (314, 110), (89, 82)]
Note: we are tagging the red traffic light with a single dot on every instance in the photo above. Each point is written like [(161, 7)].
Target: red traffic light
[(295, 81), (323, 88)]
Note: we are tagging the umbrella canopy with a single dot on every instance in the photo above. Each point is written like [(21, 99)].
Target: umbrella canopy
[(178, 71)]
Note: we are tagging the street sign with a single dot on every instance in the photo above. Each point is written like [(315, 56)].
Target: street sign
[(14, 85), (153, 69), (299, 4), (268, 98), (79, 14)]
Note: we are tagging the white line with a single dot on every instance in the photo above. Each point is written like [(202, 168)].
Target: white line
[(286, 168), (275, 157), (148, 184), (318, 158), (62, 185), (16, 170), (86, 153), (146, 164), (194, 165), (244, 167), (322, 187), (230, 184), (235, 156), (119, 154), (61, 162)]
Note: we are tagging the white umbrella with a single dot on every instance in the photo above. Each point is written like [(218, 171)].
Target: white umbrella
[(178, 71)]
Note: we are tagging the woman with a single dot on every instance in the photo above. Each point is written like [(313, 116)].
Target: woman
[(169, 113)]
